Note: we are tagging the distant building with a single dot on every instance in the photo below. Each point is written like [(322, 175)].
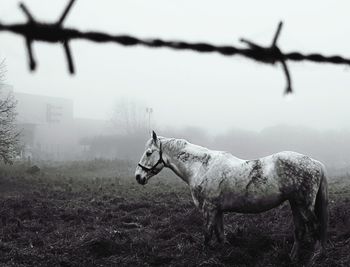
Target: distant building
[(48, 128)]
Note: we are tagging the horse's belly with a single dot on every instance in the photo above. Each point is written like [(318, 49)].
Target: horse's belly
[(248, 203)]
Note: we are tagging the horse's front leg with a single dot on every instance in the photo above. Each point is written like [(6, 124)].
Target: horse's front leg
[(219, 227), (211, 217)]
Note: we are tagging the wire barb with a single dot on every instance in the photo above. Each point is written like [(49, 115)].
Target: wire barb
[(29, 41), (50, 32), (279, 28), (56, 33), (26, 12), (65, 12), (65, 43), (273, 54), (32, 63), (69, 57)]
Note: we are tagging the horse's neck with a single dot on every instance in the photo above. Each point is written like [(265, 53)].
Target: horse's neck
[(183, 158)]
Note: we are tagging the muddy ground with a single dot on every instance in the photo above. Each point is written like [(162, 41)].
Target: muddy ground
[(95, 214)]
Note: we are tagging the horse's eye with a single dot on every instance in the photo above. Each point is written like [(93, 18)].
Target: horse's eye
[(148, 153)]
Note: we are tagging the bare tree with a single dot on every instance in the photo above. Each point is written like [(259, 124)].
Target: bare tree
[(129, 117), (8, 131)]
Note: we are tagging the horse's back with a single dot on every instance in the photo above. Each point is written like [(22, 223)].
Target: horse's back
[(293, 164)]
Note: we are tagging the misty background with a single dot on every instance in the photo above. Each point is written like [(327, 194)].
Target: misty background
[(225, 103)]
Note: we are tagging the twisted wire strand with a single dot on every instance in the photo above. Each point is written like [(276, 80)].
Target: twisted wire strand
[(50, 33)]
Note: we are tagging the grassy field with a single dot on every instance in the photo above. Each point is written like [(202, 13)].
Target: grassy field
[(95, 214)]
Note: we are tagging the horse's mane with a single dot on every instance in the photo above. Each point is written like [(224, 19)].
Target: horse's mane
[(173, 144)]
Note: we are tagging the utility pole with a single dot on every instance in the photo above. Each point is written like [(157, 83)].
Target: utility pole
[(149, 112)]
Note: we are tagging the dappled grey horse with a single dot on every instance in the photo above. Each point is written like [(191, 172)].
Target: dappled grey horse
[(220, 182)]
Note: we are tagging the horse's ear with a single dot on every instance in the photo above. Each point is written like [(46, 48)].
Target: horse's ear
[(154, 136)]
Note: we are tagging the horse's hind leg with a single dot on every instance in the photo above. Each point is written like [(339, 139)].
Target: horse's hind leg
[(313, 231), (299, 231), (219, 227), (304, 219), (312, 223)]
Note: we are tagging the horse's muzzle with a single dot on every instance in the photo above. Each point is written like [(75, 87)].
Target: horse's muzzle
[(141, 180)]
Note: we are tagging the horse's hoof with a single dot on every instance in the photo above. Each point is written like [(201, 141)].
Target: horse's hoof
[(293, 255), (294, 259), (205, 246), (317, 253), (315, 256)]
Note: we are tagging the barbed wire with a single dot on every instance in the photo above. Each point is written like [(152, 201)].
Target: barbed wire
[(56, 33)]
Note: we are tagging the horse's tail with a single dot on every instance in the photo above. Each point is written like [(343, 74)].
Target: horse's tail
[(321, 208)]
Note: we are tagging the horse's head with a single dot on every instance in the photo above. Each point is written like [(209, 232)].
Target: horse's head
[(151, 162)]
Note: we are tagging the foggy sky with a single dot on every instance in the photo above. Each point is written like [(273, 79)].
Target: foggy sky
[(186, 88)]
